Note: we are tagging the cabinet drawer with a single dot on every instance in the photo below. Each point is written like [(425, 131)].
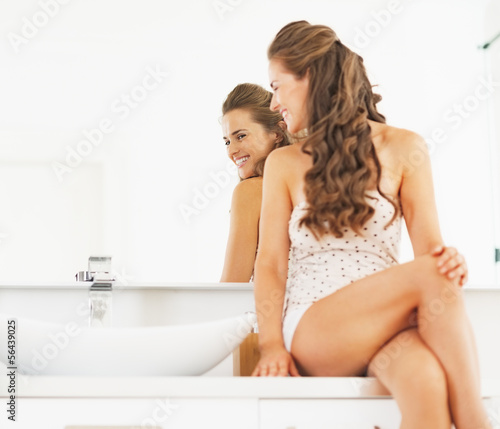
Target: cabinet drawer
[(329, 414)]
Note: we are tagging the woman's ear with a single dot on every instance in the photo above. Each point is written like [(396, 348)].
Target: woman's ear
[(307, 76), (280, 135)]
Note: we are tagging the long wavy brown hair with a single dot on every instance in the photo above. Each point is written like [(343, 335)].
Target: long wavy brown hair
[(340, 102), (257, 101)]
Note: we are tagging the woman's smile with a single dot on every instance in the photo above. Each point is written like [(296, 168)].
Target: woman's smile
[(246, 141)]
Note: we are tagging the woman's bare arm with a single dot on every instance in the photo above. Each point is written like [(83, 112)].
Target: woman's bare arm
[(419, 207), (243, 231), (417, 195), (271, 267)]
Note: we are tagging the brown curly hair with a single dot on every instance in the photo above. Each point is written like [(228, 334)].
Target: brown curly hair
[(340, 102), (257, 101)]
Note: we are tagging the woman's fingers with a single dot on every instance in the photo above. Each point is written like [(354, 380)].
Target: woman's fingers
[(449, 259), (464, 277), (460, 273), (276, 366), (293, 370), (262, 370), (446, 259), (451, 264), (273, 369), (438, 250)]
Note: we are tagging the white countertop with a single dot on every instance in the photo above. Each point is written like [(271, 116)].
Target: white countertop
[(117, 285), (141, 285), (210, 387)]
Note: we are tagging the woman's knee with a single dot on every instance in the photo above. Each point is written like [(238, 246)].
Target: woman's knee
[(409, 367), (430, 282), (427, 378)]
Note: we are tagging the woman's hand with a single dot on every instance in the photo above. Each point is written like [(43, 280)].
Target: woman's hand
[(451, 264), (275, 362)]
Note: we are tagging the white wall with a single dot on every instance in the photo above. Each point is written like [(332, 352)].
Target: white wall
[(125, 197), (492, 61)]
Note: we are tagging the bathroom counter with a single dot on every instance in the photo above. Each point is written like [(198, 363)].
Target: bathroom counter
[(152, 285), (211, 402), (211, 387), (126, 285), (214, 400)]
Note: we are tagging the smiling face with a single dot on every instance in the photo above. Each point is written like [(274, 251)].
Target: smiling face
[(289, 96), (246, 141)]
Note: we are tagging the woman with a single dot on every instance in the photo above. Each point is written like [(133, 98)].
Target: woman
[(337, 199), (251, 131)]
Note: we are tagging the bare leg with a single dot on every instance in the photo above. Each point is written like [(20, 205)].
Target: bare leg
[(416, 379), (340, 334), (445, 328)]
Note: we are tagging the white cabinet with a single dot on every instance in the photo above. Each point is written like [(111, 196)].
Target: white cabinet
[(212, 413), (343, 413), (211, 403), (171, 413), (329, 414)]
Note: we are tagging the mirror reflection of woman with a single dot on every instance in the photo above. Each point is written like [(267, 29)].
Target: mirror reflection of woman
[(344, 306), (250, 131)]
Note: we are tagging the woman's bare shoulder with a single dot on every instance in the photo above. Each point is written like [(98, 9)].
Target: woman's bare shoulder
[(247, 197), (284, 158), (402, 141), (404, 137), (283, 152), (248, 188)]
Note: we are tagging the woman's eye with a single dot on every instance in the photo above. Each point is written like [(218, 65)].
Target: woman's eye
[(226, 142), (240, 136)]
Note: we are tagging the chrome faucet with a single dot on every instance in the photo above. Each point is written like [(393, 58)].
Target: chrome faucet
[(100, 299)]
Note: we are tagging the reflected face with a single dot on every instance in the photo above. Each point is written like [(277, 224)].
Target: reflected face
[(289, 96), (246, 141)]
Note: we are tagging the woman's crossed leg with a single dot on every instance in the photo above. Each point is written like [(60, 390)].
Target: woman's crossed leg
[(340, 334), (416, 379)]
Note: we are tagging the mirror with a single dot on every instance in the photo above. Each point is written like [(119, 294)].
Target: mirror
[(110, 142)]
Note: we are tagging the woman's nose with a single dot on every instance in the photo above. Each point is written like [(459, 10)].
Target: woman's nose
[(232, 149), (274, 103)]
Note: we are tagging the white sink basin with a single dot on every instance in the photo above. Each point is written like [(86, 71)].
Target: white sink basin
[(44, 348)]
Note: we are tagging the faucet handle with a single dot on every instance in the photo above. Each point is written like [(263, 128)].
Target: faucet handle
[(83, 276), (100, 268)]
